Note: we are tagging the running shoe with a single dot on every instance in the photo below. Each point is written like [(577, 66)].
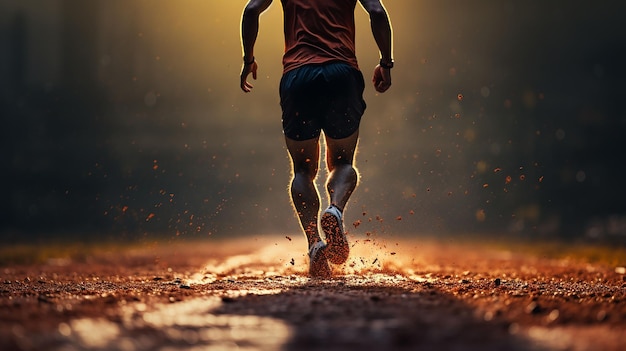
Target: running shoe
[(318, 264), (332, 225)]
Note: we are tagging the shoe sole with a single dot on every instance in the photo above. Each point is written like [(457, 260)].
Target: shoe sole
[(338, 248)]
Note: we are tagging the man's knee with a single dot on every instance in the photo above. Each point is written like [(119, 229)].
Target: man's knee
[(339, 161), (308, 172), (344, 170)]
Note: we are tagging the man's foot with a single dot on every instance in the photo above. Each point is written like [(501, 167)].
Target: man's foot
[(318, 264), (332, 225)]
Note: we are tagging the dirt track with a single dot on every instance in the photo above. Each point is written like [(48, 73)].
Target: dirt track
[(254, 295)]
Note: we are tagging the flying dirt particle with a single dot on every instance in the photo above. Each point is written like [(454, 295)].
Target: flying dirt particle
[(392, 253), (533, 308), (368, 233), (554, 315), (293, 262), (375, 260), (507, 180), (497, 281), (480, 215), (540, 179), (184, 286), (287, 237), (356, 223), (411, 212), (522, 177), (486, 185), (459, 97), (399, 218), (379, 218), (364, 213), (150, 216), (496, 170)]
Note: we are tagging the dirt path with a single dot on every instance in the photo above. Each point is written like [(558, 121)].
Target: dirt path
[(254, 295)]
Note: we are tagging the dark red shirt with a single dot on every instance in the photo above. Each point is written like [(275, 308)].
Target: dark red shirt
[(318, 31)]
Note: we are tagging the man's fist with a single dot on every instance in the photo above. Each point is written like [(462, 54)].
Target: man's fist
[(381, 79)]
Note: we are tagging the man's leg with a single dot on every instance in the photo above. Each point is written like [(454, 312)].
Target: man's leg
[(343, 177), (305, 161), (341, 183), (305, 198)]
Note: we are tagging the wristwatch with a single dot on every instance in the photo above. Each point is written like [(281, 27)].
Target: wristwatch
[(388, 64)]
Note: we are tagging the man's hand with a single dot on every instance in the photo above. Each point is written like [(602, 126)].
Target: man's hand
[(382, 79), (245, 71)]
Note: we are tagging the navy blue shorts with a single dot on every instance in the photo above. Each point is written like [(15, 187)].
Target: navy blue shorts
[(317, 98)]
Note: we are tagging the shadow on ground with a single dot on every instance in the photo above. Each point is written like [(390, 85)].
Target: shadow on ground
[(379, 312)]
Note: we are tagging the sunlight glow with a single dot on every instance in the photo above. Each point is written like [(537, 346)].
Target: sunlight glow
[(188, 324), (193, 323)]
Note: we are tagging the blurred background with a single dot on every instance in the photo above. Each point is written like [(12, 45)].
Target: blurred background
[(123, 119)]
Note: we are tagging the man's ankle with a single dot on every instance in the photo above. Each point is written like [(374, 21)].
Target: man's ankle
[(337, 207)]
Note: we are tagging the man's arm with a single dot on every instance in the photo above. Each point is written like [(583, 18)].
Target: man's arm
[(381, 29), (249, 32)]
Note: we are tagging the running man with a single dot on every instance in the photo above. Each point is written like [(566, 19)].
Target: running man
[(321, 90)]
